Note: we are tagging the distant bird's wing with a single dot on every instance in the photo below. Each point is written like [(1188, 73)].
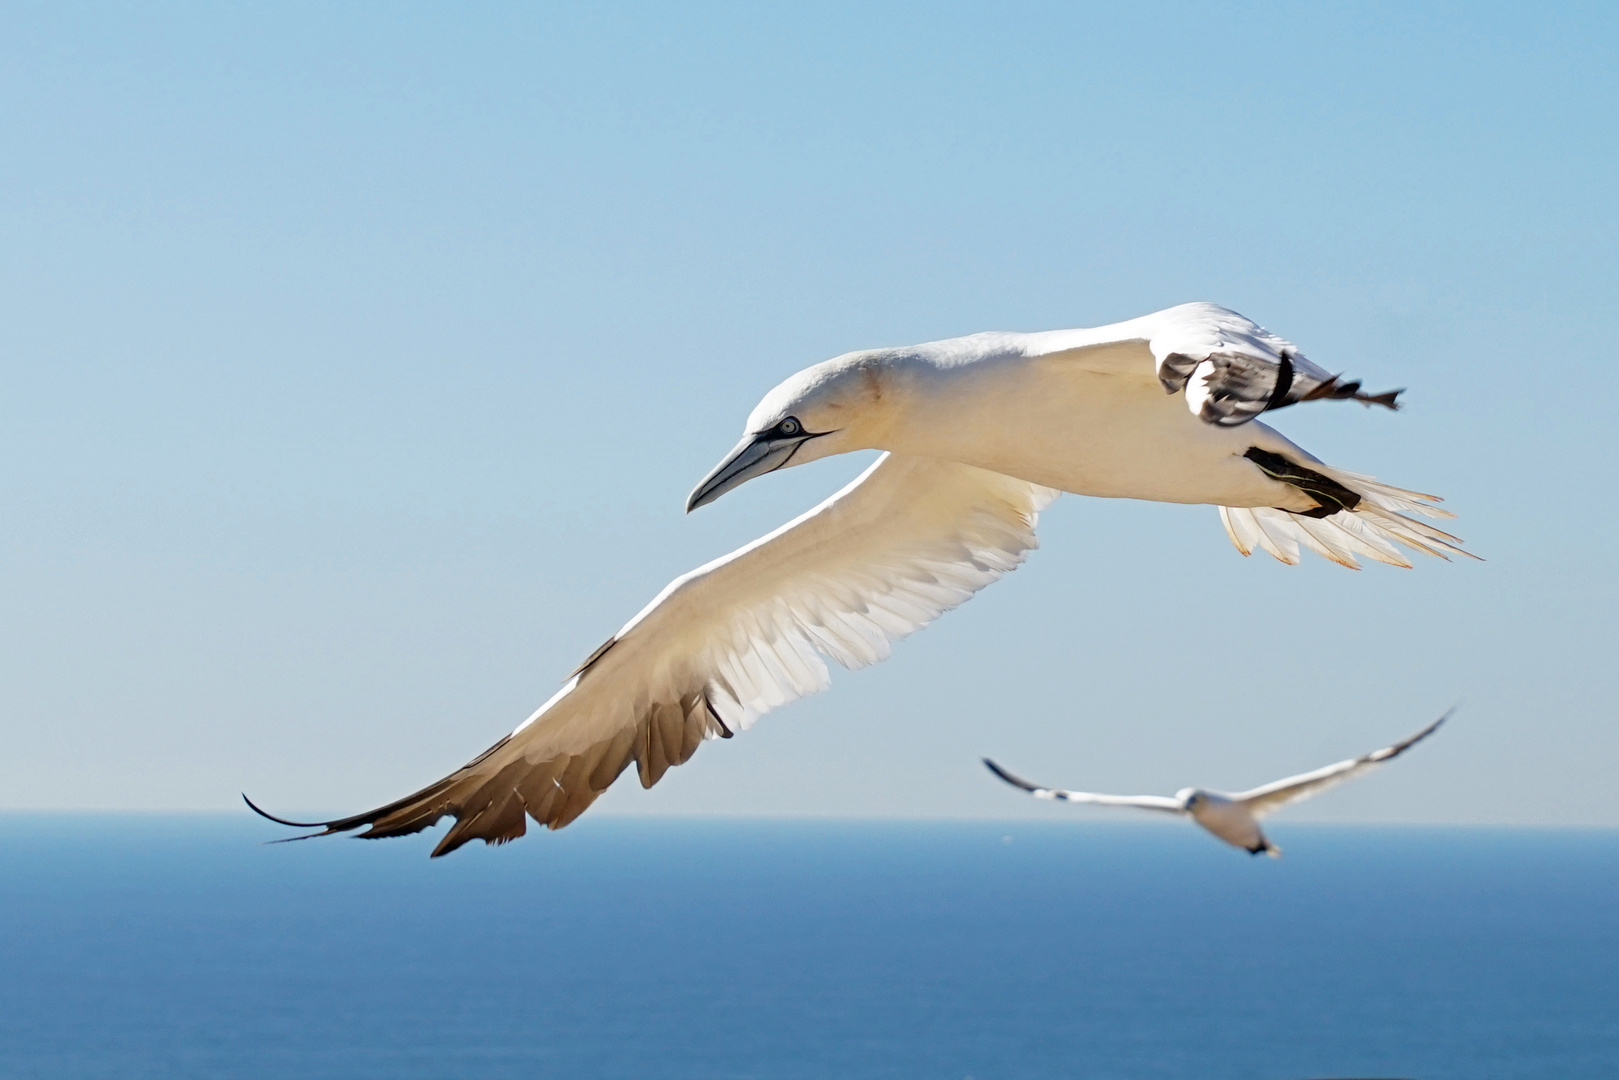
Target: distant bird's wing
[(908, 540), (1263, 800), (1144, 802), (1231, 368)]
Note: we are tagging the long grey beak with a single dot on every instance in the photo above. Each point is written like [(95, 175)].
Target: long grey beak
[(753, 456)]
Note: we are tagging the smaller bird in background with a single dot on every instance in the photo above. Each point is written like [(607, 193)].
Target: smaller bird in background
[(1234, 818)]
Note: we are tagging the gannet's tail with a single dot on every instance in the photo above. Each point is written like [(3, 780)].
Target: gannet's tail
[(1370, 526)]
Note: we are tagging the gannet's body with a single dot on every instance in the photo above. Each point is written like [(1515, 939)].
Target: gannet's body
[(1233, 818), (981, 433)]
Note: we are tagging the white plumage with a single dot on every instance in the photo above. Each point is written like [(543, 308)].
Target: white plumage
[(1233, 817), (980, 434)]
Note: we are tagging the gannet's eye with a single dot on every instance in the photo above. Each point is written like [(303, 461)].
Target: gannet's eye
[(789, 427)]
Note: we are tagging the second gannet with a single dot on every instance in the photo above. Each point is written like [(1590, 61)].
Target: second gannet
[(1233, 818)]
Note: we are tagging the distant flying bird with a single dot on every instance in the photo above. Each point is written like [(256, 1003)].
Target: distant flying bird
[(1233, 818), (981, 433)]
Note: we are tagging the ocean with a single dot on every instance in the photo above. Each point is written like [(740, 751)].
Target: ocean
[(136, 946)]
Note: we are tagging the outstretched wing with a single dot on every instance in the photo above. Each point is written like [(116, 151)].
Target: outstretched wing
[(1264, 800), (908, 540), (1144, 802), (1231, 368)]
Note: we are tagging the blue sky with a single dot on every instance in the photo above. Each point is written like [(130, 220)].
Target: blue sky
[(358, 359)]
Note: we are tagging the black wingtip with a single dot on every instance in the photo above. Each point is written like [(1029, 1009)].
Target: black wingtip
[(1011, 778), (1405, 744), (1433, 727), (284, 821), (1387, 399), (1335, 389), (291, 839)]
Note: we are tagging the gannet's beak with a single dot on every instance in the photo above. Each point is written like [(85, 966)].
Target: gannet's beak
[(754, 456)]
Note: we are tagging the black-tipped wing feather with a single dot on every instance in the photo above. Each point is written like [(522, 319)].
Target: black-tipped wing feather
[(494, 806)]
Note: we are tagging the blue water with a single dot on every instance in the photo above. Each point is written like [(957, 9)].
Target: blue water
[(174, 947)]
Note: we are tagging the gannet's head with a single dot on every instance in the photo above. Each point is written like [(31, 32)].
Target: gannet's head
[(1189, 797), (831, 408)]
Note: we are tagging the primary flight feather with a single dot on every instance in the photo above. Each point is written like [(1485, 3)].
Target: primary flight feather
[(980, 434)]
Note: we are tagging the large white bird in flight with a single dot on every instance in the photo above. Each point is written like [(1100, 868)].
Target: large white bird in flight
[(980, 434), (1233, 818)]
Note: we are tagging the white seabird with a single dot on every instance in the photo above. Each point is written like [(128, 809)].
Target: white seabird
[(980, 434), (1233, 818)]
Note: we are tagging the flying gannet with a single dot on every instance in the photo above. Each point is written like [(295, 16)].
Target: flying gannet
[(1233, 818), (980, 433)]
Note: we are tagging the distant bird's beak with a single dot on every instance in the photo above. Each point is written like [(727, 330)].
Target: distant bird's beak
[(753, 456)]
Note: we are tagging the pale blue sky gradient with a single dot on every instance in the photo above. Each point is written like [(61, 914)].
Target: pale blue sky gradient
[(358, 358)]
